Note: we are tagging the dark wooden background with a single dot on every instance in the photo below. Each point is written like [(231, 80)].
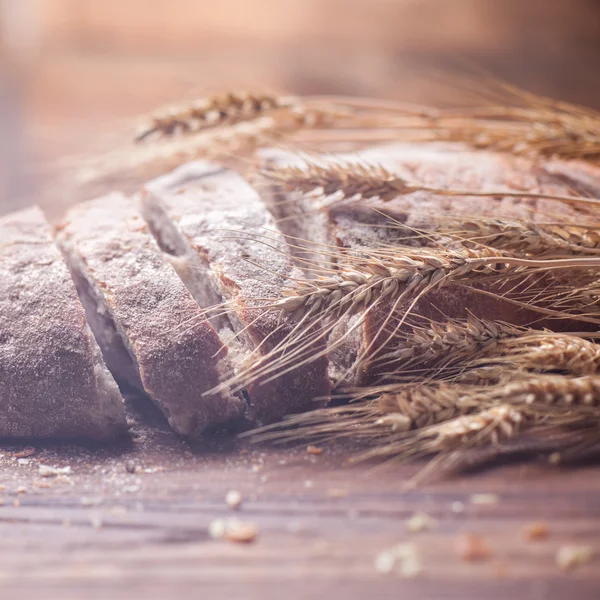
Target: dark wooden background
[(74, 76)]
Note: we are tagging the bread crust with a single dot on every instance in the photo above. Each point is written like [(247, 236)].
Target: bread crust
[(54, 382), (177, 356), (226, 226)]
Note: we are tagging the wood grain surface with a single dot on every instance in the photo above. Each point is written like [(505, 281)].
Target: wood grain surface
[(102, 531), (134, 521)]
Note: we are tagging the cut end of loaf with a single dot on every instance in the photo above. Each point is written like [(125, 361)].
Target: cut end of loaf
[(151, 331), (228, 250), (54, 381)]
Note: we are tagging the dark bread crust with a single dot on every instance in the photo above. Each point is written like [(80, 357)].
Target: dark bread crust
[(54, 383), (224, 224), (176, 355)]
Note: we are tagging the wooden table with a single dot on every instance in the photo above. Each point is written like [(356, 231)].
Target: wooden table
[(104, 532), (133, 521)]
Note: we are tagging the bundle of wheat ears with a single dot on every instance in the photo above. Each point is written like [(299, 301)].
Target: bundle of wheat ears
[(449, 266)]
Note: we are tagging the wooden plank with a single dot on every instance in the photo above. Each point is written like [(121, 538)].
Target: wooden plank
[(103, 530)]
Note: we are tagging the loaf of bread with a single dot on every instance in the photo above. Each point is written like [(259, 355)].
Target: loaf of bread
[(324, 223)]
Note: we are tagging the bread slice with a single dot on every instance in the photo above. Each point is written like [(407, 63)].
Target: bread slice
[(151, 331), (53, 381), (371, 223), (227, 248)]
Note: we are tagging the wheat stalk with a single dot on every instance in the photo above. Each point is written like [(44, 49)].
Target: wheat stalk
[(522, 236), (290, 113), (411, 273), (464, 346), (534, 125), (544, 127), (444, 344), (350, 180)]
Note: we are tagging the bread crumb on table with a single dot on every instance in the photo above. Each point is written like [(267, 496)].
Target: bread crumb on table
[(233, 499), (48, 471), (402, 559), (314, 450), (484, 498), (472, 547), (569, 557), (536, 530), (336, 493), (25, 453), (233, 530), (420, 522)]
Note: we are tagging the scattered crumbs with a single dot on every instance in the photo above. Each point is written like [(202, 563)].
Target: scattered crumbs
[(569, 557), (25, 453), (16, 503), (336, 493), (484, 498), (402, 558), (233, 530), (314, 450), (23, 461), (41, 483), (282, 461), (472, 547), (241, 532), (21, 489), (47, 471), (233, 499), (130, 466), (264, 478), (537, 530), (243, 451), (555, 458), (257, 468), (85, 501), (308, 483), (96, 522), (457, 507), (420, 522), (216, 529), (130, 489)]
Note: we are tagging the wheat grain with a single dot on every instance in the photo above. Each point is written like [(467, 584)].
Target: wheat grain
[(410, 273), (445, 344), (233, 108), (475, 347), (225, 109), (422, 405), (359, 180), (522, 236), (350, 180)]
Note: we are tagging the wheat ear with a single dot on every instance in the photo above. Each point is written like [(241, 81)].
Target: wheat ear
[(522, 236), (409, 273), (231, 108), (350, 180)]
